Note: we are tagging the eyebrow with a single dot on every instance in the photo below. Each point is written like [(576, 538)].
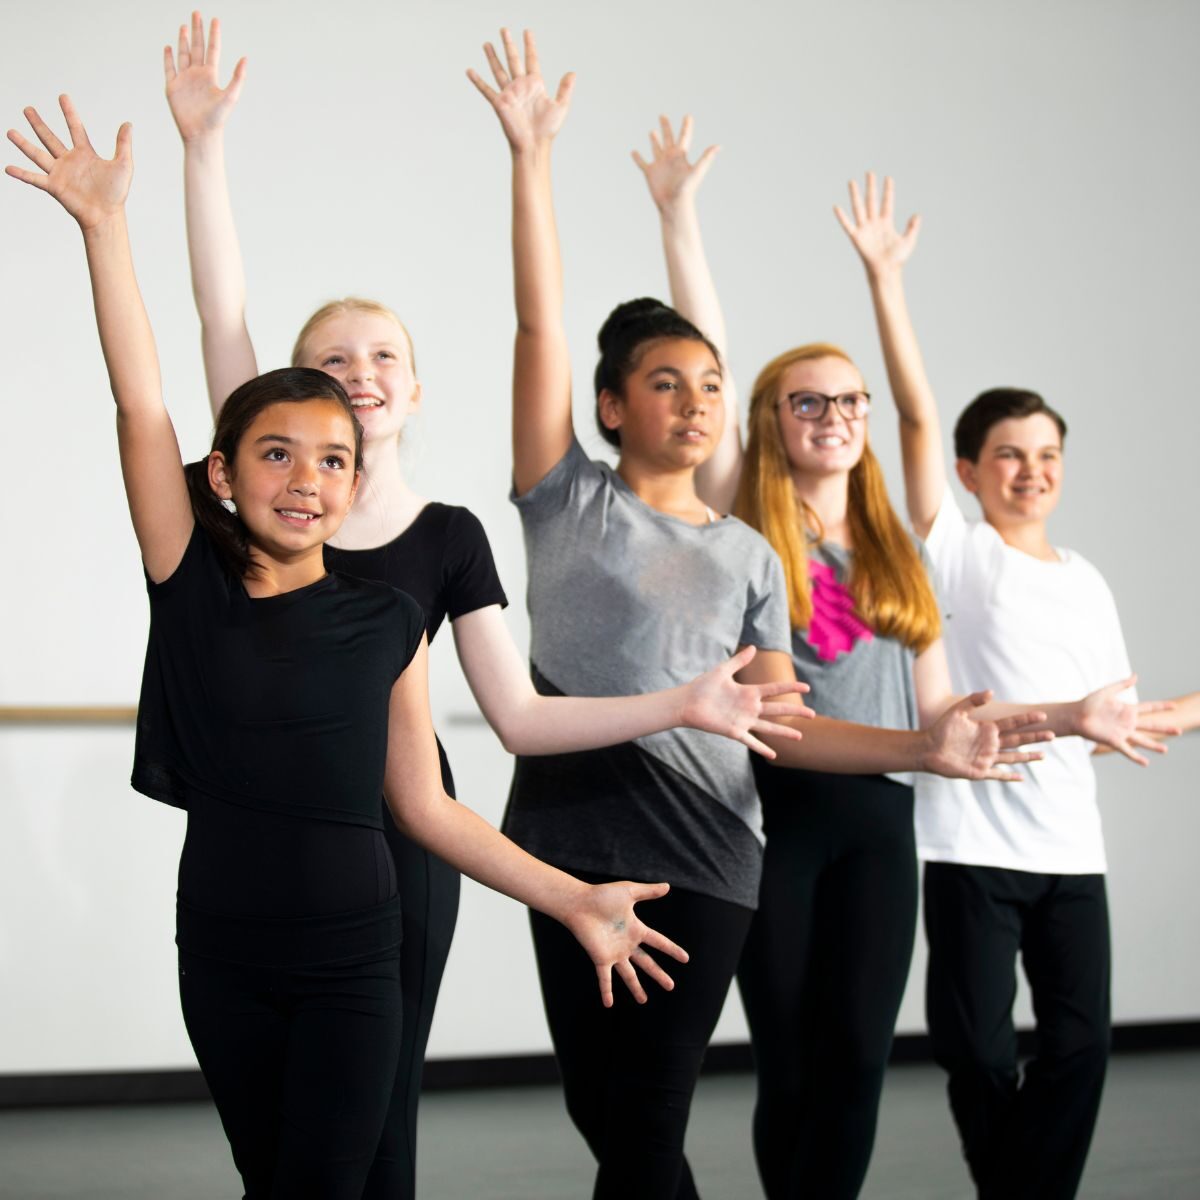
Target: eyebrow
[(343, 346), (1036, 449), (679, 374), (288, 441)]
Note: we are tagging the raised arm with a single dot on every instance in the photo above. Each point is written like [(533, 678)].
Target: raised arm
[(201, 107), (884, 251), (957, 745), (1101, 716), (601, 918), (529, 723), (93, 190), (673, 183), (542, 424)]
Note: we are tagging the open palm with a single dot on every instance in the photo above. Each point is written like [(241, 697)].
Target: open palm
[(669, 175), (198, 102), (92, 189), (525, 108), (873, 229)]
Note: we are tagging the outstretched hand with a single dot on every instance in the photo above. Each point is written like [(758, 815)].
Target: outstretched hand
[(717, 703), (527, 114), (669, 175), (966, 748), (614, 937), (198, 103), (92, 189), (1109, 721), (873, 231)]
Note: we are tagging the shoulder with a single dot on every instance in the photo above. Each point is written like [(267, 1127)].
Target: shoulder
[(574, 478), (374, 597), (1084, 573), (744, 540)]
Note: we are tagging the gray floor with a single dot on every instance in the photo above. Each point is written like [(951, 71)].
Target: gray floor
[(517, 1145)]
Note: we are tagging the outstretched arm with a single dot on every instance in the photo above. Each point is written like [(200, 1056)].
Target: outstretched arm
[(673, 183), (1101, 716), (201, 107), (601, 918), (884, 251), (542, 425), (529, 723), (957, 745), (93, 190)]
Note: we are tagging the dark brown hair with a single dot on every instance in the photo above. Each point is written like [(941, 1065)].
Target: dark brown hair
[(288, 385), (623, 338), (990, 408)]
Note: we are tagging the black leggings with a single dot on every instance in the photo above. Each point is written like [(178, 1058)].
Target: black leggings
[(429, 893), (629, 1071), (300, 1063), (823, 972)]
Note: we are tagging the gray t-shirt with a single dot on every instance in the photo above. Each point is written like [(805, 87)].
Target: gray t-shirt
[(855, 673), (624, 599)]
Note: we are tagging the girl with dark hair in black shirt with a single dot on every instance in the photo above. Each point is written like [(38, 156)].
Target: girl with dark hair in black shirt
[(438, 553), (279, 701)]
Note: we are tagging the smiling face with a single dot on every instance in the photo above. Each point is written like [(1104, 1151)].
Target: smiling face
[(831, 445), (368, 353), (293, 478), (1018, 476), (672, 409)]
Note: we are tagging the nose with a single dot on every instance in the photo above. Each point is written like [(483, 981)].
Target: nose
[(360, 370), (303, 481), (695, 404)]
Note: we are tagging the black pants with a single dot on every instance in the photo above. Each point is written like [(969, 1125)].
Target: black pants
[(429, 893), (1025, 1136), (300, 1063), (629, 1071), (823, 973)]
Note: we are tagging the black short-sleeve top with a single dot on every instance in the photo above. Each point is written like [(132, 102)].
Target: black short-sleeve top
[(279, 704), (443, 560)]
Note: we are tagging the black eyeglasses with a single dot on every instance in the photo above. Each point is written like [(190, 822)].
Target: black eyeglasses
[(812, 406)]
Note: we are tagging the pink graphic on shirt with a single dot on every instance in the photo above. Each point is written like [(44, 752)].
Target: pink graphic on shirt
[(835, 628)]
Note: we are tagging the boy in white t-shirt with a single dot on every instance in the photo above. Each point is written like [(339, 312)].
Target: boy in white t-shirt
[(1010, 867)]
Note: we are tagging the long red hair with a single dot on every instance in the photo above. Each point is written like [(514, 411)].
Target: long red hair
[(888, 581)]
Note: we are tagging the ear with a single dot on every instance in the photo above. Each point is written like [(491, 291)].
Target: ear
[(354, 489), (220, 476), (414, 400), (967, 475), (611, 408)]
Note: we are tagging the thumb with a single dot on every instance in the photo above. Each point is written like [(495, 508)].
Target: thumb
[(744, 656), (124, 152)]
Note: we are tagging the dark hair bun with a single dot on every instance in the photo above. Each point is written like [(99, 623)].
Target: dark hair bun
[(633, 313)]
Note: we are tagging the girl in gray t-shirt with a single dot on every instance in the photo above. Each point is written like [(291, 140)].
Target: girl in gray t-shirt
[(633, 579)]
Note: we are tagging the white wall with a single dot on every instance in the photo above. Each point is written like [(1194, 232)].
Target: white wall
[(1050, 148)]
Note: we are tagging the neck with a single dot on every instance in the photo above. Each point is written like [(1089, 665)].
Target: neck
[(829, 497), (1027, 536), (384, 506), (669, 491), (275, 576)]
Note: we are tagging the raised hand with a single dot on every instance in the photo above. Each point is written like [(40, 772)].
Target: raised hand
[(717, 703), (1109, 721), (198, 103), (965, 748), (610, 931), (873, 231), (669, 175), (527, 114), (92, 189)]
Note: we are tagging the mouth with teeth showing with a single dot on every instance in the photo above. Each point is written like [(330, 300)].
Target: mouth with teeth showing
[(296, 516), (828, 440), (364, 401)]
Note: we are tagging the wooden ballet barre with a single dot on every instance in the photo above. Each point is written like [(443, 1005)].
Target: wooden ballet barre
[(68, 714)]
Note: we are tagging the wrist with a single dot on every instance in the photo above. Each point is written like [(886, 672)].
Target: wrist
[(203, 140), (535, 153), (103, 227), (923, 751), (567, 899), (884, 276)]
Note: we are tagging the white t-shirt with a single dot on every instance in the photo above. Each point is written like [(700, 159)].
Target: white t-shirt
[(1034, 632)]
